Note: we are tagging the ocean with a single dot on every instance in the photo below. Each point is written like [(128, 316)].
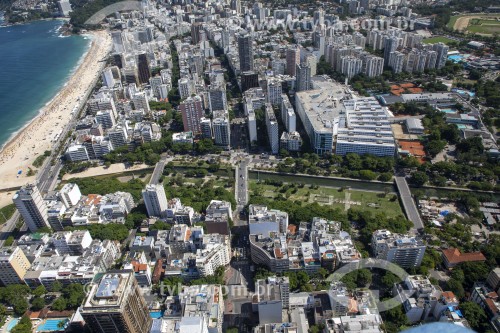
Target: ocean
[(35, 63)]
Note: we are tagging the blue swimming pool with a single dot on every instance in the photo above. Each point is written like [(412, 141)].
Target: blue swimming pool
[(156, 314), (456, 57), (448, 110), (51, 325), (12, 323), (464, 92)]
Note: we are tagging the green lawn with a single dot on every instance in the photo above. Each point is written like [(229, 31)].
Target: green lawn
[(6, 212), (487, 24), (368, 201), (439, 39), (483, 26)]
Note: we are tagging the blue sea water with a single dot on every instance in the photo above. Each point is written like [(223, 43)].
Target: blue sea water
[(35, 63)]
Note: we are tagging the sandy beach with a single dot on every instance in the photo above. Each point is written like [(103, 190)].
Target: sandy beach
[(37, 137)]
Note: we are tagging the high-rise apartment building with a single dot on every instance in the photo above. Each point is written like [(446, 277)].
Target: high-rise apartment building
[(274, 91), (252, 126), (222, 129), (217, 98), (245, 51), (70, 194), (196, 29), (13, 265), (236, 6), (192, 113), (155, 200), (143, 68), (403, 250), (272, 297), (292, 59), (351, 66), (249, 80), (118, 136), (396, 61), (390, 45), (116, 305), (140, 100), (272, 129), (442, 54), (373, 66), (206, 128), (185, 87), (288, 114), (105, 118), (311, 61), (303, 77), (31, 206)]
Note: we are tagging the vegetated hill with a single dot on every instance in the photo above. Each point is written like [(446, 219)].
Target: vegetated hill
[(5, 4), (84, 9)]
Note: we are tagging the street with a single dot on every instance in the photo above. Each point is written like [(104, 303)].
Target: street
[(241, 190), (408, 204)]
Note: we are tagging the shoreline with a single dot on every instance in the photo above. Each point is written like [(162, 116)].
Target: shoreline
[(60, 89), (36, 136), (7, 24)]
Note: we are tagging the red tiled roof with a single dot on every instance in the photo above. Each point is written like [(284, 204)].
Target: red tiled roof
[(454, 256), (491, 305), (449, 296)]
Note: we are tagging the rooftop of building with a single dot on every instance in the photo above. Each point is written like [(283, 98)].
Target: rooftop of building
[(454, 256), (323, 104), (260, 214), (396, 240), (109, 293)]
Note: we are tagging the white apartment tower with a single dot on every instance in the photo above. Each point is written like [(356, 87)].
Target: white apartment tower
[(206, 128), (272, 129), (105, 118), (70, 194), (155, 200), (141, 102), (403, 250), (311, 61), (274, 91), (288, 114), (252, 126), (221, 129), (31, 206)]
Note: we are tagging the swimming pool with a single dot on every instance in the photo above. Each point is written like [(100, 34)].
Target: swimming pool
[(12, 323), (156, 314), (51, 325), (456, 57), (449, 110), (464, 92)]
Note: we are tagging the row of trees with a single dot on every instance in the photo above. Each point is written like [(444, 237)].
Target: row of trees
[(368, 167), (20, 297), (105, 185)]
